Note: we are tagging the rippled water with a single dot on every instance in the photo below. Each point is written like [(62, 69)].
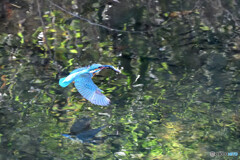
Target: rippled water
[(177, 96)]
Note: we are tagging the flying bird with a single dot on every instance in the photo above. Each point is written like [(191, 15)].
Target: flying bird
[(82, 78)]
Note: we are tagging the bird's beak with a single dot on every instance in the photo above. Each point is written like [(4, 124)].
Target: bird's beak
[(117, 70)]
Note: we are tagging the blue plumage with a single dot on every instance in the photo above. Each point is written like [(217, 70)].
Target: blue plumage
[(84, 84)]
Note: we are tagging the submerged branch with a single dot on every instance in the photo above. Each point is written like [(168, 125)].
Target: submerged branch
[(93, 23)]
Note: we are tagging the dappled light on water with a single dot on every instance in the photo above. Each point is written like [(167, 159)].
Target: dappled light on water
[(177, 96)]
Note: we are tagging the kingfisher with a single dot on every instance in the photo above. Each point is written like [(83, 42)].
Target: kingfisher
[(82, 78)]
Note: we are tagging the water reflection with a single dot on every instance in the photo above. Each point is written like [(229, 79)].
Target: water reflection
[(81, 131)]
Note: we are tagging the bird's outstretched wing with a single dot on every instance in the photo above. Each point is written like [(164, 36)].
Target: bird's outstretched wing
[(90, 91)]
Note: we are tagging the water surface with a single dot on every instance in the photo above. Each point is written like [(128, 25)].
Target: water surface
[(177, 96)]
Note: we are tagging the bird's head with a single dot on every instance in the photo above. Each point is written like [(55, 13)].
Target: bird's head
[(95, 68)]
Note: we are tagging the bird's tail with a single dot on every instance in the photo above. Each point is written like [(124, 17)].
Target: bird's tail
[(68, 136), (64, 83)]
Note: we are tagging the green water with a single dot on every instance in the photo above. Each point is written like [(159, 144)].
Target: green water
[(177, 97)]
